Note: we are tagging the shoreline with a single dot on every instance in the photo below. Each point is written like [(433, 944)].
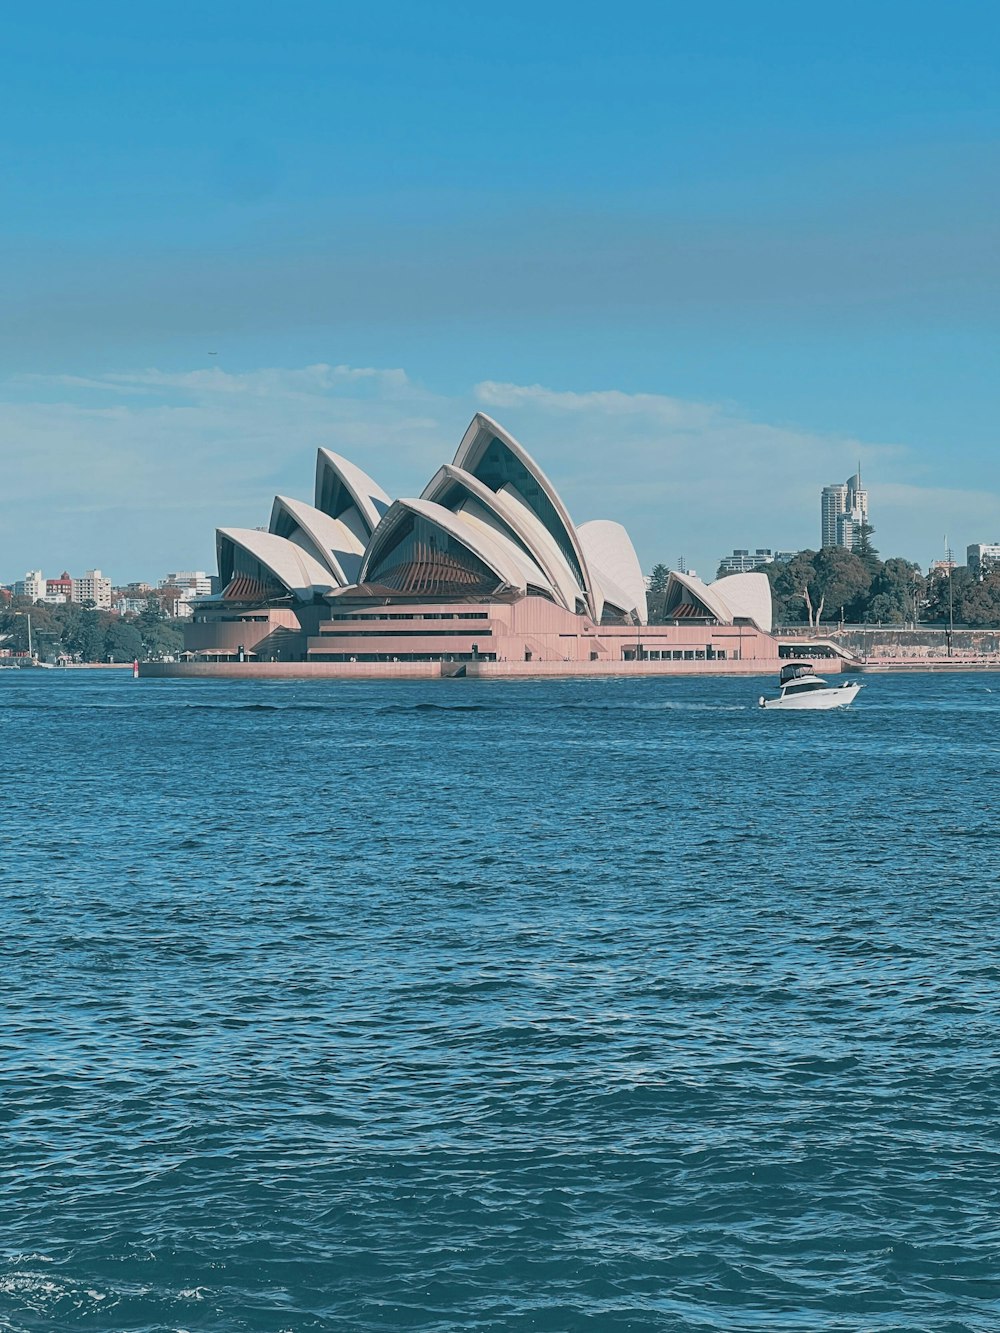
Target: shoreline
[(531, 670)]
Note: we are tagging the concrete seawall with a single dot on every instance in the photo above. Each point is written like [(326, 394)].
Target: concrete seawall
[(290, 670), (909, 665), (469, 670)]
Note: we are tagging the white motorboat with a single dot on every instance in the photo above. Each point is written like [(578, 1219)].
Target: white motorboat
[(801, 688)]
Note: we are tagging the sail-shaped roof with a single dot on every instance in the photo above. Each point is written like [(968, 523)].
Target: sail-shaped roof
[(272, 562), (330, 540), (454, 487), (748, 597), (735, 597), (343, 491), (422, 547), (496, 459), (615, 565)]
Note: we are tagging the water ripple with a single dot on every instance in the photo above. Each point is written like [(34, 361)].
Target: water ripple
[(496, 1006)]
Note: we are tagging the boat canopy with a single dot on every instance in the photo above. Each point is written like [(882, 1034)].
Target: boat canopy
[(794, 670)]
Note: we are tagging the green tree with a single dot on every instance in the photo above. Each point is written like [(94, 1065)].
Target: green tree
[(122, 642), (656, 594), (44, 627), (659, 578), (945, 591), (816, 584), (864, 549), (903, 584), (882, 610), (86, 637), (162, 640), (977, 602), (789, 588), (842, 580), (152, 613)]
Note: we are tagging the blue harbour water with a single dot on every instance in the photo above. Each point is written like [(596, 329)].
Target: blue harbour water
[(443, 1006)]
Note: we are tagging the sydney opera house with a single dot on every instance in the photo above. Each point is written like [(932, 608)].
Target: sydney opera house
[(485, 567)]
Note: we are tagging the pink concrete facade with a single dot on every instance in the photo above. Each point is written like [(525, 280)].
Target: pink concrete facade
[(470, 670), (531, 631), (224, 632), (485, 639)]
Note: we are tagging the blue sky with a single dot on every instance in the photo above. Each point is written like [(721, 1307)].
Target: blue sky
[(699, 258)]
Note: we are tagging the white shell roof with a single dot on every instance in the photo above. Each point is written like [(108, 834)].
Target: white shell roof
[(326, 535), (292, 567), (701, 592), (362, 490), (737, 596), (499, 555), (748, 597), (522, 531), (514, 514), (474, 442), (614, 563), (480, 517)]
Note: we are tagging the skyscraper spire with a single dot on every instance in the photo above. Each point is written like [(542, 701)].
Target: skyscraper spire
[(844, 512)]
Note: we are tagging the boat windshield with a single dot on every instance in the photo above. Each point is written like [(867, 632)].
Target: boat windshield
[(794, 671), (803, 686)]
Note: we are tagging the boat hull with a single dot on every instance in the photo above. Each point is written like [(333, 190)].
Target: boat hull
[(837, 696)]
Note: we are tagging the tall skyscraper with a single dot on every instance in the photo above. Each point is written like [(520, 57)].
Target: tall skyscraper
[(843, 512), (833, 507)]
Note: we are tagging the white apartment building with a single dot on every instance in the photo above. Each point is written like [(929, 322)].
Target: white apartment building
[(981, 556), (32, 585), (93, 587), (843, 511), (196, 582), (744, 561)]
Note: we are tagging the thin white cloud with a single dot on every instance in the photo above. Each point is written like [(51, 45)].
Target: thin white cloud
[(703, 478), (605, 402), (133, 470), (314, 379)]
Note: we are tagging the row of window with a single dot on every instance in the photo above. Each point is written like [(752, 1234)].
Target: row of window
[(357, 632), (677, 654), (402, 657), (225, 620), (431, 615)]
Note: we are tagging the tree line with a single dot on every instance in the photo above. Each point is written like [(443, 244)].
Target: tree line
[(86, 634), (825, 587)]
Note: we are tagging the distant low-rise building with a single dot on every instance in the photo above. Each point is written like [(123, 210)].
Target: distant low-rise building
[(745, 561), (92, 586), (981, 557), (32, 585), (130, 606), (60, 587), (196, 582)]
